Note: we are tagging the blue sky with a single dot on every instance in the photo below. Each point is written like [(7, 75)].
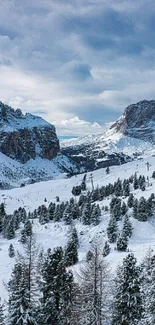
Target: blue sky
[(77, 63)]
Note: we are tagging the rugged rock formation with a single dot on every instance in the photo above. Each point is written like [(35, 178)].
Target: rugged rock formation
[(23, 137), (138, 121)]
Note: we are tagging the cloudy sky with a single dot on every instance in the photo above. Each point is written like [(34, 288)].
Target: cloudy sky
[(77, 63)]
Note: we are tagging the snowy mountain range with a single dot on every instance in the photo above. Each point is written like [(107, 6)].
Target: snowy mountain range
[(30, 150), (131, 137)]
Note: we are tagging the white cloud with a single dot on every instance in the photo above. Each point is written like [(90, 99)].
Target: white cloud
[(76, 126)]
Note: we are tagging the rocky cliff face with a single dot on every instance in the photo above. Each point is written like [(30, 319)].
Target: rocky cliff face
[(23, 137), (138, 121)]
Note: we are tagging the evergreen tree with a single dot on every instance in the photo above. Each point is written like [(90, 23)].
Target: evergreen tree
[(51, 210), (130, 201), (118, 188), (122, 243), (57, 213), (126, 189), (83, 184), (23, 237), (20, 306), (95, 215), (148, 288), (123, 208), (10, 229), (11, 251), (76, 190), (135, 182), (127, 300), (107, 170), (43, 216), (71, 249), (28, 228), (2, 317), (127, 227), (86, 214), (106, 249), (142, 210), (135, 209), (67, 216), (57, 288), (112, 230)]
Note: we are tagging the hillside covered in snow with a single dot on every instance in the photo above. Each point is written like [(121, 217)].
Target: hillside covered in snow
[(131, 137)]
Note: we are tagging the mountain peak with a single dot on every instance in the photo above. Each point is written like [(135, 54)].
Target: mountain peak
[(23, 137), (138, 120)]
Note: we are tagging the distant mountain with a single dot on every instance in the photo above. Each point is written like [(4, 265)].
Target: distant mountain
[(138, 121), (29, 149), (132, 136)]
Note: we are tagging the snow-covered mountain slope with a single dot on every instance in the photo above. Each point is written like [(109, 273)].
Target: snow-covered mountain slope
[(29, 149), (133, 135), (16, 174), (55, 234)]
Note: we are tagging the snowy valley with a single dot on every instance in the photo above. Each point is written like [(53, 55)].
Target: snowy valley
[(110, 208)]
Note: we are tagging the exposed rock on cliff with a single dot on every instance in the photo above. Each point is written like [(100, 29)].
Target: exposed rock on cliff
[(138, 121), (23, 137)]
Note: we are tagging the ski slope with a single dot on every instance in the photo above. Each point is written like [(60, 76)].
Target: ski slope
[(56, 234)]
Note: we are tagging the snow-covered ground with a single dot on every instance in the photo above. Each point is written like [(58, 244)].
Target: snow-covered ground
[(113, 142), (14, 173), (56, 234)]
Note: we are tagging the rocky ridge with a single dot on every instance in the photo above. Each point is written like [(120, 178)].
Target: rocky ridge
[(138, 121), (23, 137)]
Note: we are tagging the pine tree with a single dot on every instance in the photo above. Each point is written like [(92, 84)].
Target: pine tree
[(135, 182), (51, 210), (20, 308), (106, 249), (148, 288), (2, 317), (23, 237), (122, 243), (86, 214), (107, 170), (71, 249), (57, 213), (126, 189), (130, 201), (57, 289), (28, 228), (10, 229), (127, 227), (83, 184), (95, 215), (135, 209), (123, 208), (67, 216), (112, 230), (43, 216), (11, 251), (127, 300), (142, 210)]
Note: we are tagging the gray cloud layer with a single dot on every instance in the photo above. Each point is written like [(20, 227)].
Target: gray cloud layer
[(68, 58)]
